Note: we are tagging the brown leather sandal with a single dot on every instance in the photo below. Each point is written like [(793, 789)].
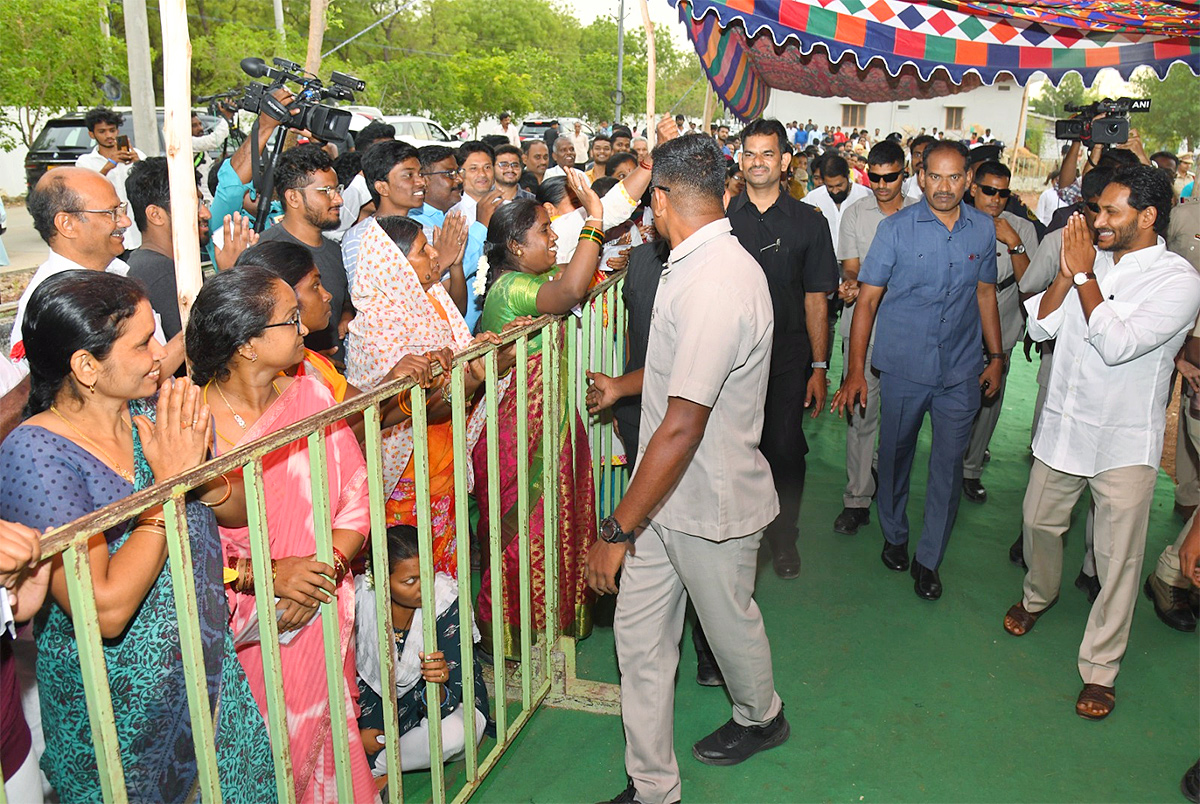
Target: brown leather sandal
[(1023, 619), (1099, 696)]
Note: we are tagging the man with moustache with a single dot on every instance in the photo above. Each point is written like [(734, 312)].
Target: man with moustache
[(1119, 310), (537, 159), (77, 212), (791, 244), (479, 180), (1016, 242), (916, 150), (836, 192), (885, 169), (937, 262), (308, 189), (601, 151), (564, 158), (443, 190), (507, 168)]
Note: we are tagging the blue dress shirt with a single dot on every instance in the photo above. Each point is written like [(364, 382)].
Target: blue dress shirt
[(928, 325), (476, 234)]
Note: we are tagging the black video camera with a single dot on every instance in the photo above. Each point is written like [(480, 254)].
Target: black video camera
[(325, 123), (1111, 129)]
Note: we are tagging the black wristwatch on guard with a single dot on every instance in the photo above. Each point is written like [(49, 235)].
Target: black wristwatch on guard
[(610, 531)]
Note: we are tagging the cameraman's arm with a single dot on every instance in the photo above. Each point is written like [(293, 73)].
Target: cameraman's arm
[(1070, 167), (240, 161)]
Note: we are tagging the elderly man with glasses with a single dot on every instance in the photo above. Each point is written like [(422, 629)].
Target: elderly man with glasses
[(78, 214), (308, 189)]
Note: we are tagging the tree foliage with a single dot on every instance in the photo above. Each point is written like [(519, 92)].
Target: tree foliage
[(53, 56), (1053, 101), (1174, 114)]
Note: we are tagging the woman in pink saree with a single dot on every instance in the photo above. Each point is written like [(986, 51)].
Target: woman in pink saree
[(245, 329)]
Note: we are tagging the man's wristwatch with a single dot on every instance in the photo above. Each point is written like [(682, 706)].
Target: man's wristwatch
[(1083, 277), (1020, 249), (820, 364), (610, 531)]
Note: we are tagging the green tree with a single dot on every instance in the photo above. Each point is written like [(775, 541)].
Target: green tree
[(53, 56), (1174, 114), (1052, 101)]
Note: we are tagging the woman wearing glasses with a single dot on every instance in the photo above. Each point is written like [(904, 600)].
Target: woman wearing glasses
[(245, 332), (95, 436)]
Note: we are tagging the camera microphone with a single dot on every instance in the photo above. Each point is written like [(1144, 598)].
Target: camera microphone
[(254, 67)]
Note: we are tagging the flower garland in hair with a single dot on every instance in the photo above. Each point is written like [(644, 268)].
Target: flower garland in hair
[(481, 275)]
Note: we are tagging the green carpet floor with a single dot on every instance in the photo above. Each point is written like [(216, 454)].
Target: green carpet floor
[(892, 698)]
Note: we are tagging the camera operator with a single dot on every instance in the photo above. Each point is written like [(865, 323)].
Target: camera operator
[(235, 178)]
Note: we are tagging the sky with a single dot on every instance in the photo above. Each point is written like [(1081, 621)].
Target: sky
[(661, 14)]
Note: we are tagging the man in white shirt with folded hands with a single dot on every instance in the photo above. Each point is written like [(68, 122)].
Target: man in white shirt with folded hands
[(1120, 311)]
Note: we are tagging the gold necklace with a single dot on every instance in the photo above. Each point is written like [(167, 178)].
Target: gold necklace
[(238, 419), (116, 466)]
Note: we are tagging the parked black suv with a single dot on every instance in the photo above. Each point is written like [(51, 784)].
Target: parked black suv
[(63, 139)]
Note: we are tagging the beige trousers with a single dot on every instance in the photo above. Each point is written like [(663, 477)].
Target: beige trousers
[(1121, 501), (667, 567), (1168, 561)]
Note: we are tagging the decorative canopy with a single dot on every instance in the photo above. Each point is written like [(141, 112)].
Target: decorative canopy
[(886, 50)]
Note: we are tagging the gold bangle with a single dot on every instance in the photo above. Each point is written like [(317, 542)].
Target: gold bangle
[(223, 500), (162, 523), (150, 529)]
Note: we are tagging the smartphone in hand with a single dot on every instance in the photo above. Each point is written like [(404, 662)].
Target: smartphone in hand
[(123, 142)]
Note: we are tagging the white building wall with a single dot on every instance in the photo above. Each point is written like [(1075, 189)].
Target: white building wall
[(997, 107)]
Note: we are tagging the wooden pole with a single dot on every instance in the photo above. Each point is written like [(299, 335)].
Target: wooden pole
[(710, 107), (316, 34), (177, 134), (651, 73), (1021, 123)]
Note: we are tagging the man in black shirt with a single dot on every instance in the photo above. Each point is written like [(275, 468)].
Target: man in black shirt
[(308, 189), (791, 242)]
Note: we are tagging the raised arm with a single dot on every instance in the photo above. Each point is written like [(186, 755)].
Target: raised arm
[(571, 286)]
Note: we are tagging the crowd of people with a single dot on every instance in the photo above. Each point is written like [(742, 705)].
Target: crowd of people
[(741, 252)]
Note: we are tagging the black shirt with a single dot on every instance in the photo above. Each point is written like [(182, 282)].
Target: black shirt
[(328, 258), (792, 244), (157, 273), (646, 264)]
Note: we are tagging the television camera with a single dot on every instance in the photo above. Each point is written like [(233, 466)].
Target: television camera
[(1104, 122)]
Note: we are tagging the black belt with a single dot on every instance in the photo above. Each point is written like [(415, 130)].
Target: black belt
[(1007, 283)]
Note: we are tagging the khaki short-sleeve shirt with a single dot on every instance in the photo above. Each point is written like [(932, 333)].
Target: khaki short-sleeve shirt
[(710, 343)]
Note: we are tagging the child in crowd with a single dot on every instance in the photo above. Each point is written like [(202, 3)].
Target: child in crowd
[(416, 666)]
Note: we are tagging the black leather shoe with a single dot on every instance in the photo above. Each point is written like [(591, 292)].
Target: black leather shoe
[(734, 743), (626, 796), (1170, 604), (1089, 584), (707, 672), (973, 490), (928, 584), (1190, 784), (1016, 553), (851, 519), (895, 556), (786, 560)]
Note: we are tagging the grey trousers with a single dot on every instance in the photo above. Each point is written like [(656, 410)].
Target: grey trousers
[(1187, 460), (985, 426), (1168, 569), (667, 567), (1121, 500), (861, 434)]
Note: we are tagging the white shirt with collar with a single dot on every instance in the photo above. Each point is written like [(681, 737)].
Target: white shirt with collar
[(54, 264), (94, 160), (1107, 396), (512, 132), (820, 199)]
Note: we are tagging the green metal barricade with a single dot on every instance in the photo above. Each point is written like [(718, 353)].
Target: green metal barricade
[(545, 672)]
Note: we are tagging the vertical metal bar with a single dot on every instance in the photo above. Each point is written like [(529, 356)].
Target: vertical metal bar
[(187, 615), (429, 632), (335, 673), (268, 629), (553, 404), (458, 420), (383, 607), (77, 566), (522, 381), (493, 480), (608, 362)]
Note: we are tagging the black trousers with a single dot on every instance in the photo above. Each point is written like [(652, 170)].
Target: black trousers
[(784, 446)]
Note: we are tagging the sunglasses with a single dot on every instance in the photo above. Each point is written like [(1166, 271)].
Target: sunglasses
[(1005, 193), (1093, 206), (886, 178)]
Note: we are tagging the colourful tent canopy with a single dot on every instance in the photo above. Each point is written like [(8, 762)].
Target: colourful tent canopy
[(885, 50)]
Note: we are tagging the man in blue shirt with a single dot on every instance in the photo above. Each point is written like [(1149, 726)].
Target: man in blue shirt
[(937, 262), (443, 190)]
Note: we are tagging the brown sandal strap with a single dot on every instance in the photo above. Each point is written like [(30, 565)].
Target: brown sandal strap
[(1024, 619), (1099, 695)]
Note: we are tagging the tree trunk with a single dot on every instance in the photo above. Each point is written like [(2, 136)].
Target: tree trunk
[(177, 133), (316, 34), (710, 106), (141, 82)]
